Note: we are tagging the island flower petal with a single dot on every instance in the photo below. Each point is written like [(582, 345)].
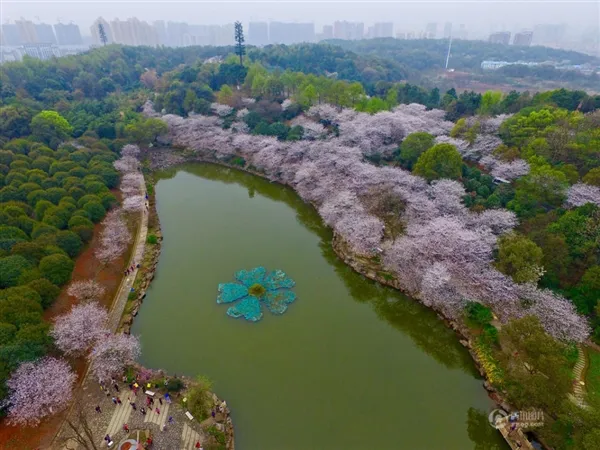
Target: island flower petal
[(249, 308), (277, 301), (230, 292), (278, 279), (250, 277)]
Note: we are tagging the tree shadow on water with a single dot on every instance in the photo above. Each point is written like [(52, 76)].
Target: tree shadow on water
[(421, 324)]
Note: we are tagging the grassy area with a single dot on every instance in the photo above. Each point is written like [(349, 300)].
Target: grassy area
[(593, 374)]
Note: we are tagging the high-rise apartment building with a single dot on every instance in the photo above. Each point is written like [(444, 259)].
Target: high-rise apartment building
[(258, 33), (133, 32), (10, 35), (161, 32), (523, 38), (175, 33), (95, 31), (447, 30), (328, 32), (348, 30), (291, 33), (45, 33), (27, 31), (381, 30), (431, 30), (68, 34), (500, 37)]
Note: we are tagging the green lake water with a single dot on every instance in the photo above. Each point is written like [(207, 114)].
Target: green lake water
[(350, 365)]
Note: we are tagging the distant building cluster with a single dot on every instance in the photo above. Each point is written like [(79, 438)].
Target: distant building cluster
[(39, 40), (522, 38), (24, 32), (584, 68)]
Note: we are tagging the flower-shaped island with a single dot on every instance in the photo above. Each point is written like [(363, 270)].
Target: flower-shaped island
[(254, 288)]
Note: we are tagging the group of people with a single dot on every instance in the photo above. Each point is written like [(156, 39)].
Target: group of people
[(149, 404), (131, 269)]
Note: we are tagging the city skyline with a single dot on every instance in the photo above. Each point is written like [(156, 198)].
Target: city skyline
[(478, 15)]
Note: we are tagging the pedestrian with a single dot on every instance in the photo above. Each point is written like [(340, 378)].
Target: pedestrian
[(116, 386), (164, 428), (114, 400), (160, 400), (98, 410), (119, 401), (107, 438), (143, 410), (131, 386), (133, 405), (126, 428), (157, 411), (197, 444), (124, 379), (213, 413), (147, 401), (170, 419), (168, 397)]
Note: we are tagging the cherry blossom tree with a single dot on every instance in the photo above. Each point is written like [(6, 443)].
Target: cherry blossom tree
[(86, 290), (39, 389), (511, 170), (114, 237), (134, 203), (78, 330), (446, 253), (130, 150), (221, 110), (111, 355), (126, 164), (579, 194), (131, 184)]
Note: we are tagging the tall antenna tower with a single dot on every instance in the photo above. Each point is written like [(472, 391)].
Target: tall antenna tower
[(448, 55)]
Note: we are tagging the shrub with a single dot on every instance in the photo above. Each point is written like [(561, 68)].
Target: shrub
[(70, 242), (440, 161), (478, 313), (175, 385), (152, 239), (11, 268), (199, 399), (48, 292), (95, 210), (57, 268)]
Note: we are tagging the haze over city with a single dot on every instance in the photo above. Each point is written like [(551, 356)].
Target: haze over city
[(480, 16)]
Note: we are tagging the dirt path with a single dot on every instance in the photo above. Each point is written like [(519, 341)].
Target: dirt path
[(120, 297)]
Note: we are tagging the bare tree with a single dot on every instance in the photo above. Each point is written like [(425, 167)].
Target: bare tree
[(78, 429)]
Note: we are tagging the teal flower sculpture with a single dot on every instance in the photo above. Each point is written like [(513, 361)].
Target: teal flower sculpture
[(255, 288)]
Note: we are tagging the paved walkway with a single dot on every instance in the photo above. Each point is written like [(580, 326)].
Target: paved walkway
[(579, 393), (116, 311), (189, 437)]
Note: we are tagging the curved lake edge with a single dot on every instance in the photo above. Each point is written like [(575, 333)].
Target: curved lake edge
[(171, 158)]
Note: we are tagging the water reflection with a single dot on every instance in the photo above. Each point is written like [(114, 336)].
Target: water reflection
[(423, 326)]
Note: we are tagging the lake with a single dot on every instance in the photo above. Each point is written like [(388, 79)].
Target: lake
[(350, 365)]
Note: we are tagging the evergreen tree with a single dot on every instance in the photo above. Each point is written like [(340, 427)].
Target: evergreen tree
[(102, 34), (240, 48)]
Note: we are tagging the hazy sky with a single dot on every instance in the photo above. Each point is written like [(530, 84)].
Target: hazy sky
[(406, 15)]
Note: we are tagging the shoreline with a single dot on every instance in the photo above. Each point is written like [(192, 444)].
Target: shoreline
[(351, 260), (142, 281)]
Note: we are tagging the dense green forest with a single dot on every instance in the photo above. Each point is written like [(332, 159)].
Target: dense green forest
[(64, 121)]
